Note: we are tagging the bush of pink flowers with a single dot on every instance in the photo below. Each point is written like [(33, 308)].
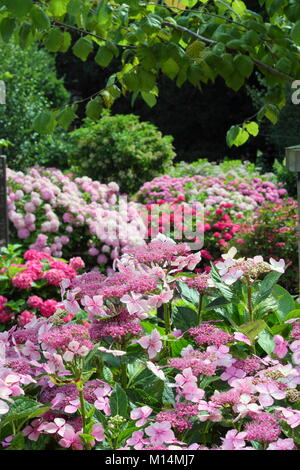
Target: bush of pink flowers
[(218, 370), (62, 215), (30, 284)]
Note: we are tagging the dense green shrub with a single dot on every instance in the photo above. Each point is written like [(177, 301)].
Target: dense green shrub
[(123, 149), (31, 86)]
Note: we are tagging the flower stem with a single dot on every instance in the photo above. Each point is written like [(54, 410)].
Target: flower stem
[(249, 296), (167, 317), (83, 414), (200, 309)]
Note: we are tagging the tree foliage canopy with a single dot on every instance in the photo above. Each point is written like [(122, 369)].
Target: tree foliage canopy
[(186, 40)]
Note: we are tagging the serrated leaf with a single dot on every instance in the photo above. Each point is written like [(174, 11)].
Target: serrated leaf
[(67, 39), (170, 68), (54, 40), (265, 340), (252, 128), (191, 295), (40, 19), (44, 123), (266, 286), (58, 7), (252, 329), (66, 117), (118, 402), (107, 374), (82, 48), (236, 136), (104, 56), (94, 108), (22, 408), (184, 318), (244, 65), (292, 433)]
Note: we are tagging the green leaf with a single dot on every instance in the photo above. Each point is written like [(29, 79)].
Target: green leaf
[(54, 40), (104, 56), (25, 34), (22, 408), (244, 65), (293, 433), (58, 7), (236, 136), (293, 314), (66, 117), (252, 128), (66, 42), (239, 7), (170, 68), (252, 329), (82, 48), (295, 33), (168, 395), (44, 123), (271, 112), (74, 7), (94, 108), (118, 402), (7, 27), (149, 98), (266, 286), (191, 295), (147, 80), (107, 374), (285, 301), (18, 442), (265, 340), (218, 302), (40, 18), (18, 8), (219, 284), (184, 318)]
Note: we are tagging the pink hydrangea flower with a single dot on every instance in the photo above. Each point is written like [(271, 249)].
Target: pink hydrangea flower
[(137, 440), (152, 343), (160, 433), (141, 415), (281, 346), (98, 432), (234, 440), (282, 444), (268, 392)]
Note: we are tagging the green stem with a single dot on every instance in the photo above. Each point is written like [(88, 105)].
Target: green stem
[(249, 296), (200, 309), (123, 373), (167, 317), (83, 414)]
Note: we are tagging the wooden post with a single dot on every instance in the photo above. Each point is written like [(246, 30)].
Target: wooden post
[(3, 203), (292, 155)]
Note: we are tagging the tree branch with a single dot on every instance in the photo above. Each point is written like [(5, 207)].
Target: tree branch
[(211, 42)]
